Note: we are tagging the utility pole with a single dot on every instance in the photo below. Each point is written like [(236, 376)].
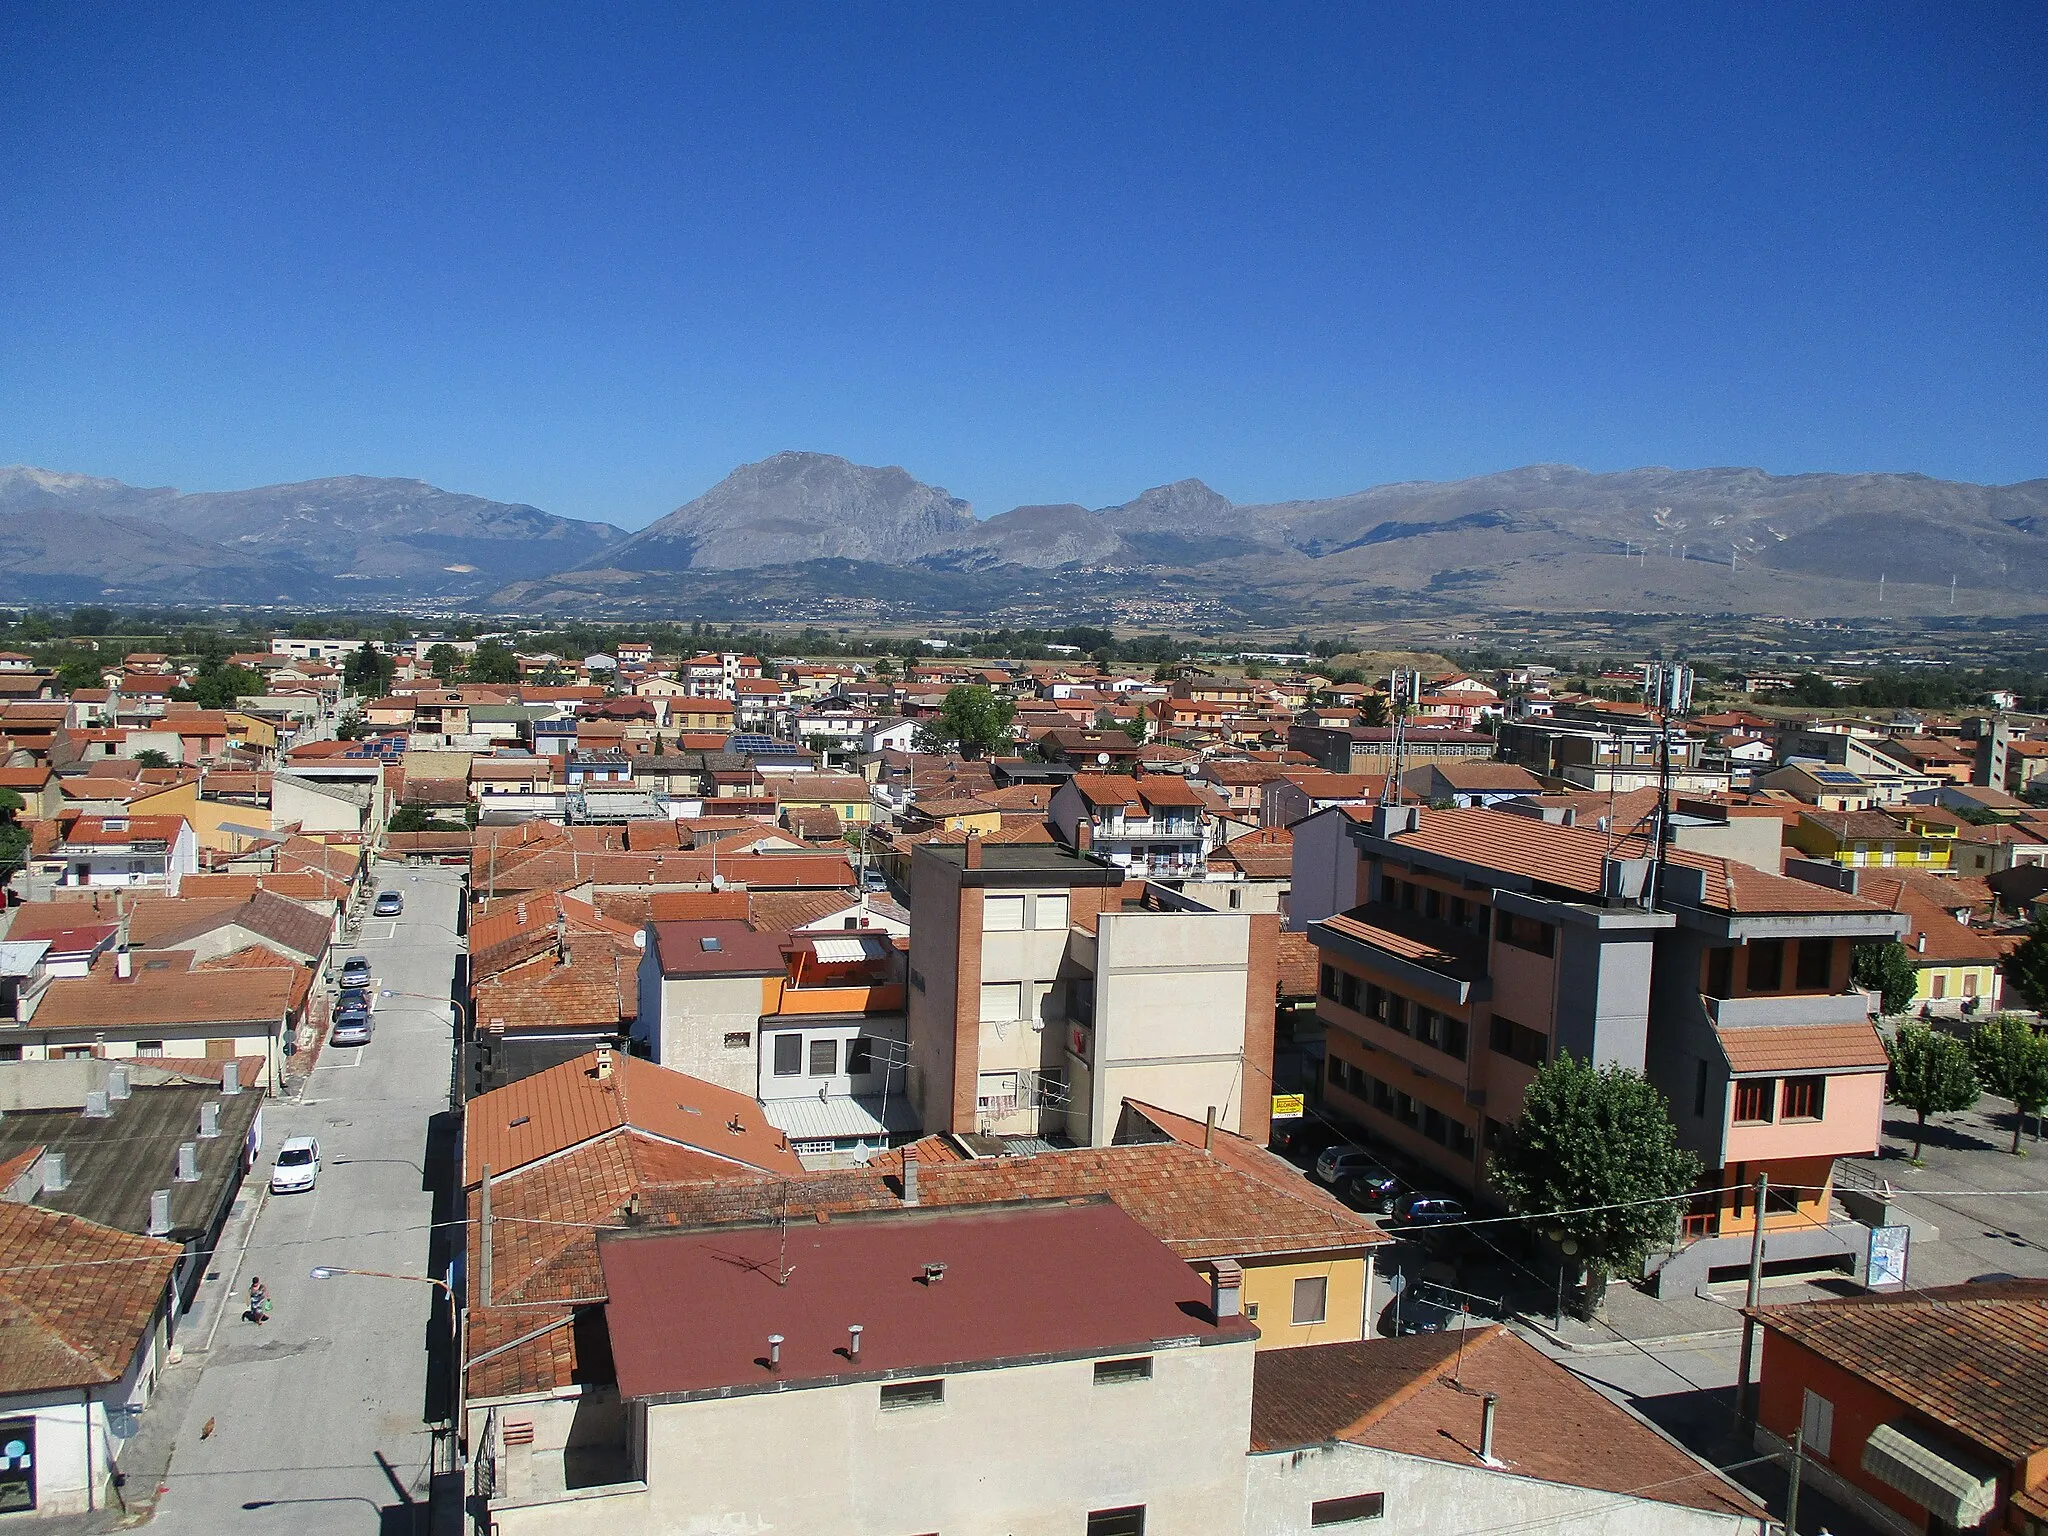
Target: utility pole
[(1792, 1494), (1743, 1404)]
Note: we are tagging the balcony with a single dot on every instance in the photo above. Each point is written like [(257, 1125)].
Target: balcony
[(1808, 1008), (1430, 958)]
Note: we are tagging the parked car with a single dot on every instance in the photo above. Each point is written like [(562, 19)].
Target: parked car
[(1417, 1314), (297, 1168), (1370, 1188), (389, 904), (1343, 1160), (351, 997), (355, 971), (351, 1029), (1429, 1208)]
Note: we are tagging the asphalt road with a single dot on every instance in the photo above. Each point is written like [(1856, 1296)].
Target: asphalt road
[(319, 1416)]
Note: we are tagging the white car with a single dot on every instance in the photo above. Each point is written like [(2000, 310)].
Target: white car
[(298, 1166)]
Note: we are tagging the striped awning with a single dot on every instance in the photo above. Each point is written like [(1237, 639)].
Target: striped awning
[(1941, 1479)]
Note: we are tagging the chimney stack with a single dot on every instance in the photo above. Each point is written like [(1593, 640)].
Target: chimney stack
[(55, 1175), (117, 1084), (95, 1105), (230, 1078), (604, 1063), (1226, 1289), (124, 964), (910, 1176), (774, 1351), (209, 1120), (1084, 835), (188, 1162), (973, 856), (160, 1213), (853, 1333), (1487, 1410)]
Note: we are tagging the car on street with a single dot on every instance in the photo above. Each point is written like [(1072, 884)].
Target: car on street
[(351, 1028), (1417, 1314), (355, 971), (1369, 1187), (1343, 1160), (1429, 1208), (351, 997), (298, 1166), (389, 904)]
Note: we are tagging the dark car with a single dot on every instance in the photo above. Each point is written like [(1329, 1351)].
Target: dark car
[(351, 997), (1417, 1314), (1429, 1208), (1369, 1188), (389, 904)]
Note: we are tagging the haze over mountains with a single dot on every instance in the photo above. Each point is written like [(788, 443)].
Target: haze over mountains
[(808, 528)]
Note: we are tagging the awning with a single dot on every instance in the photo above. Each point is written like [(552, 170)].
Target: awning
[(1942, 1480), (841, 1119)]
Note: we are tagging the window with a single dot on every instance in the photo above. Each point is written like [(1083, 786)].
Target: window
[(1539, 938), (739, 1039), (913, 1394), (1347, 990), (1721, 971), (1050, 912), (1311, 1299), (1802, 1098), (1002, 1000), (1817, 1418), (995, 1093), (1128, 1521), (1110, 1372), (1753, 1101), (860, 1056), (17, 1464), (1518, 1042), (1937, 986), (1397, 1013), (1699, 1089), (1766, 965), (824, 1058), (1969, 983), (789, 1055), (1360, 1506), (1329, 979), (149, 1047), (1458, 913), (1432, 902), (1816, 961), (1001, 914)]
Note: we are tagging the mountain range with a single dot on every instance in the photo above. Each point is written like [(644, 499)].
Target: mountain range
[(803, 534)]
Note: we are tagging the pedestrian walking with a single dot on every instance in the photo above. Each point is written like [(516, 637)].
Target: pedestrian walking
[(259, 1301)]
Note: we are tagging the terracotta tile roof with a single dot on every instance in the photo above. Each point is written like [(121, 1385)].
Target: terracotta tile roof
[(76, 1298), (1475, 775), (1800, 1048), (1571, 859), (816, 823), (158, 922), (120, 831), (518, 930), (1298, 963), (1973, 1358), (1935, 938), (1853, 826), (598, 989), (1398, 1395), (567, 1105), (294, 886), (259, 998)]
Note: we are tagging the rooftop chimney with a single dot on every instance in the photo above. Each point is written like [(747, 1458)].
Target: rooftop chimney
[(774, 1351), (96, 1104), (934, 1272), (910, 1176), (209, 1120), (604, 1063), (188, 1162), (853, 1333), (160, 1213), (230, 1078), (55, 1175), (124, 965), (973, 856), (1921, 943), (1486, 1414), (117, 1084), (1226, 1289), (1084, 835)]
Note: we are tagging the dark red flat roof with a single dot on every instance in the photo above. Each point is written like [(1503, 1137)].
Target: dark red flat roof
[(690, 1312)]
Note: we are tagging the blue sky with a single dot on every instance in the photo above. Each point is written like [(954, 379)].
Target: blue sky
[(592, 257)]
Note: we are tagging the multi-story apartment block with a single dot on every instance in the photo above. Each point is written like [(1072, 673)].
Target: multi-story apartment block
[(1038, 1003), (1610, 757), (1483, 943), (1149, 826)]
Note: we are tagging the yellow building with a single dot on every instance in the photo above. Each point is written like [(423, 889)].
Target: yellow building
[(844, 794), (1873, 839)]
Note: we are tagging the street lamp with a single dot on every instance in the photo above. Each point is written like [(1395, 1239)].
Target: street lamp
[(455, 1322), (330, 1271)]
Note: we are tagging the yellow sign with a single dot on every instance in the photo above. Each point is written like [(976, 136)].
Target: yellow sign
[(1289, 1105)]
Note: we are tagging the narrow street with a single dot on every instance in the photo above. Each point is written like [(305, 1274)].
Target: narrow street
[(318, 1419)]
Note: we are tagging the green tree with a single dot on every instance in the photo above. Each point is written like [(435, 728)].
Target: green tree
[(351, 727), (974, 719), (2012, 1062), (217, 686), (13, 836), (1601, 1138), (493, 662), (149, 757), (1884, 967), (1931, 1075), (367, 669), (2027, 966), (443, 660)]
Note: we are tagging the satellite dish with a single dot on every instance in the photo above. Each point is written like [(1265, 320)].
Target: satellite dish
[(1102, 759)]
